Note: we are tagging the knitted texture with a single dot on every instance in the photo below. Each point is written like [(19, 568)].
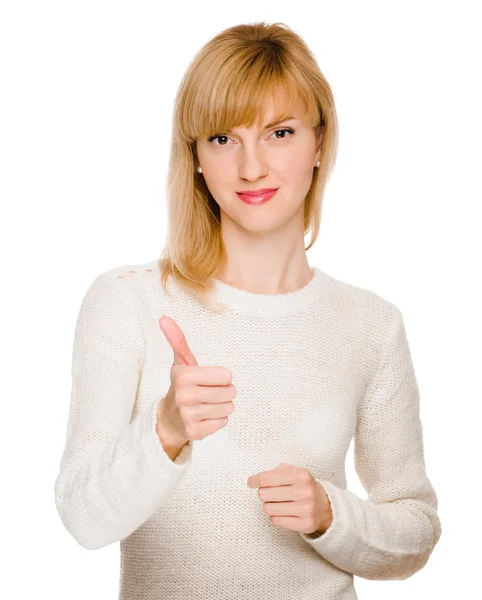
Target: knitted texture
[(313, 369)]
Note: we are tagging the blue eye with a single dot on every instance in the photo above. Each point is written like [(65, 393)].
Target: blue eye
[(220, 135)]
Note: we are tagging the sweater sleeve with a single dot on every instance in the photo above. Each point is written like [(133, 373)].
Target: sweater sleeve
[(114, 473), (392, 533)]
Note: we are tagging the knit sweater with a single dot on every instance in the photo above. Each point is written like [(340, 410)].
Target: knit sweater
[(313, 369)]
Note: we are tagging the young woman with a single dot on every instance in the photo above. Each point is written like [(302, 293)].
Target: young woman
[(210, 418)]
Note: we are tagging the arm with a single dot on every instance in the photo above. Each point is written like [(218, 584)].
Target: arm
[(391, 534), (114, 472)]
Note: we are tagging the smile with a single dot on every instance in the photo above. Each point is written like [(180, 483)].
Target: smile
[(258, 199)]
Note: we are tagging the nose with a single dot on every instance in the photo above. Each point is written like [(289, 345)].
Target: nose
[(252, 164)]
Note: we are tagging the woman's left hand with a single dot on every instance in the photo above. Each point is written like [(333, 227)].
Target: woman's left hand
[(293, 499)]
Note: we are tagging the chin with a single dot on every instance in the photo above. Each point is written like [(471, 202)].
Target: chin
[(265, 225)]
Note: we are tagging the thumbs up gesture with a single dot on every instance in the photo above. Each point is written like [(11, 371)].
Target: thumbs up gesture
[(199, 399)]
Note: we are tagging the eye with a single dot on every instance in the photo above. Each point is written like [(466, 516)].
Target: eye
[(285, 129), (220, 135)]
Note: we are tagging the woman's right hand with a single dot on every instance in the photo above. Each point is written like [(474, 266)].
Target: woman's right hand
[(199, 399)]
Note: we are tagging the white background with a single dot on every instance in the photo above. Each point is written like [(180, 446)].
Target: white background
[(87, 90)]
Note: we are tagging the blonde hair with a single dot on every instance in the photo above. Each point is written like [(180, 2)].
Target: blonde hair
[(225, 86)]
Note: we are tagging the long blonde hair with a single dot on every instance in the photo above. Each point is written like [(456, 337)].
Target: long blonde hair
[(225, 86)]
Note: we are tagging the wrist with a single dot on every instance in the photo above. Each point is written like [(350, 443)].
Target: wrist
[(167, 438)]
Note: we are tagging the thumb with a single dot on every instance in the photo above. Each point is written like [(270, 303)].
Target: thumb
[(177, 341)]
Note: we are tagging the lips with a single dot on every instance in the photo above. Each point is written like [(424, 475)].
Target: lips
[(256, 198), (256, 192)]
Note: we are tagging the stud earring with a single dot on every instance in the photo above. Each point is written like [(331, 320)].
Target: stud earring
[(199, 170), (318, 164)]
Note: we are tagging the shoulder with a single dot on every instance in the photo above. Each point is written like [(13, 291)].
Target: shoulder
[(373, 313), (368, 318), (112, 309), (117, 292), (359, 297), (126, 279), (129, 272)]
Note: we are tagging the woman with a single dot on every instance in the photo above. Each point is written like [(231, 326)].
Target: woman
[(211, 503)]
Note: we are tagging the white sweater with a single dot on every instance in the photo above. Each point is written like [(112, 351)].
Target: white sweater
[(312, 369)]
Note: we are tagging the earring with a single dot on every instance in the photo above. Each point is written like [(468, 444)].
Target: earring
[(318, 164), (199, 170)]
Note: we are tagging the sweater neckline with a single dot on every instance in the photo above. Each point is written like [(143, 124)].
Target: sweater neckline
[(249, 302)]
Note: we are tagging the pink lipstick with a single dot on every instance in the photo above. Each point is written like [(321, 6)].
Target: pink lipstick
[(257, 196)]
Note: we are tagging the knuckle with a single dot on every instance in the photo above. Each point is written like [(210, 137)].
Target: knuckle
[(182, 378), (185, 396)]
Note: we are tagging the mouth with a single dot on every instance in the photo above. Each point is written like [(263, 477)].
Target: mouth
[(257, 196), (256, 192)]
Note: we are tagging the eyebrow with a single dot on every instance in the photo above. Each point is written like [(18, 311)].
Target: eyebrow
[(273, 123)]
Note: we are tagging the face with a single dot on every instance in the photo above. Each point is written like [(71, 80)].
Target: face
[(281, 156)]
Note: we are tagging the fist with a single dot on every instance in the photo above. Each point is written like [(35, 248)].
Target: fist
[(293, 499)]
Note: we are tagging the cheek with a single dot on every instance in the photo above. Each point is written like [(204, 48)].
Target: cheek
[(216, 179), (294, 167), (219, 173)]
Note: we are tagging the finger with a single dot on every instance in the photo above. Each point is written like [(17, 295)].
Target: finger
[(272, 478), (207, 385), (280, 493), (284, 509), (177, 340)]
